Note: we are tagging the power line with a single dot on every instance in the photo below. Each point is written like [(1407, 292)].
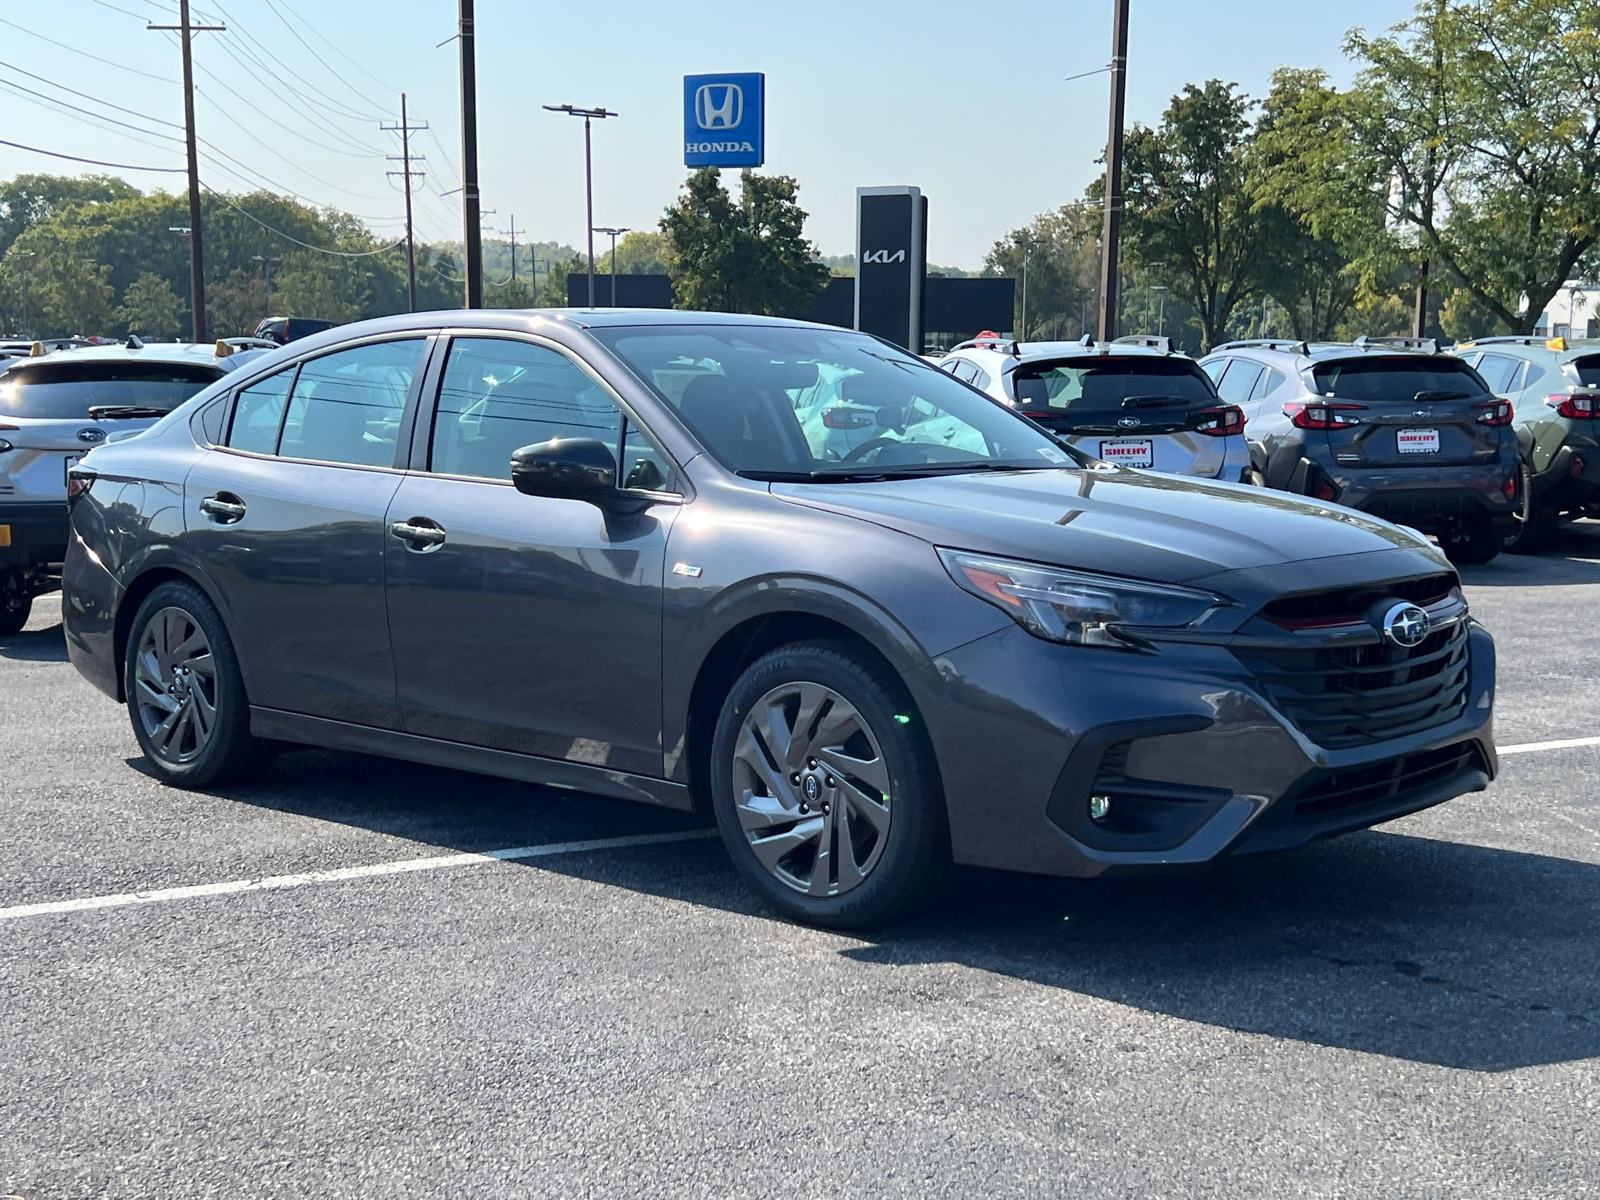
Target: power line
[(346, 109), (326, 66), (92, 161), (85, 95), (334, 46), (223, 196), (98, 116), (63, 45)]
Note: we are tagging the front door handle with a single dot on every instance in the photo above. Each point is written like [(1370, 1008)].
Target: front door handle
[(224, 506), (422, 536)]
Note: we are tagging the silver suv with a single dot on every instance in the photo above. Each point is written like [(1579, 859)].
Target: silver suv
[(1388, 426), (1132, 401), (56, 406), (1554, 388)]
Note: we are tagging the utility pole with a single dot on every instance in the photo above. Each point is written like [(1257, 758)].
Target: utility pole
[(513, 234), (613, 231), (1419, 316), (1110, 242), (266, 262), (24, 256), (588, 114), (405, 129), (197, 261), (471, 222)]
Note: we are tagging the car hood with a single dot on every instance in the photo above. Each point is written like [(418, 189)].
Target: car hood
[(1115, 520)]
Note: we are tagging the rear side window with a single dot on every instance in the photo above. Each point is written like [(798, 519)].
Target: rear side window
[(67, 390), (346, 406), (1399, 379), (1106, 384), (1239, 384), (1498, 371), (258, 415)]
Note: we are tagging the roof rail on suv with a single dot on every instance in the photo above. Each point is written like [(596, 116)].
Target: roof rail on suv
[(1523, 339), (1426, 345), (1148, 340), (1293, 344)]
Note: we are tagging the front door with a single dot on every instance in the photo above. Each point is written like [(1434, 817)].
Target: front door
[(288, 521), (520, 622)]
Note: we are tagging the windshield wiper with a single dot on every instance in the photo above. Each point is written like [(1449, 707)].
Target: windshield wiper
[(113, 412)]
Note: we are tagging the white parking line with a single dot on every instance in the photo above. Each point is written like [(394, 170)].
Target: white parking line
[(274, 883), (1530, 747), (438, 862)]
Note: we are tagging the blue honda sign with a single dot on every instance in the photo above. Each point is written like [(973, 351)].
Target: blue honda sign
[(724, 120)]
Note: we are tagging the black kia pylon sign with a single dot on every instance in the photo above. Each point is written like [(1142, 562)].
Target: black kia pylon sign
[(891, 263)]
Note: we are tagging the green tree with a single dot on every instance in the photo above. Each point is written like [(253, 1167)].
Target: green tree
[(1190, 204), (553, 291), (640, 253), (150, 307), (27, 200), (235, 306), (72, 294), (512, 293), (316, 285), (750, 256), (1058, 254)]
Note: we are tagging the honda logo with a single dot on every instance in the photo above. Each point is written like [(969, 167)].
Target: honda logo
[(719, 106), (883, 256)]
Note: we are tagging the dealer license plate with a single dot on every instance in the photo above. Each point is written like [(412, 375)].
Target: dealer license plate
[(1417, 441), (1129, 452)]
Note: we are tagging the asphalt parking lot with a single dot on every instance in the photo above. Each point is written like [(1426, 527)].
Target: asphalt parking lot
[(1408, 1012)]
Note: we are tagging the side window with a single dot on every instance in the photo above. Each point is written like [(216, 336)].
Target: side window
[(643, 465), (949, 365), (980, 378), (965, 370), (258, 414), (500, 395), (211, 419), (1535, 373), (1215, 367), (1240, 381), (1497, 371), (1270, 382), (346, 406)]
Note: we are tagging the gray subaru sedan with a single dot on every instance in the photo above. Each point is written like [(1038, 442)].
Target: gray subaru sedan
[(601, 550)]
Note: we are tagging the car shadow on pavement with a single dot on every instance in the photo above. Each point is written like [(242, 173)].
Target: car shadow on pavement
[(1573, 556), (35, 645), (1430, 951)]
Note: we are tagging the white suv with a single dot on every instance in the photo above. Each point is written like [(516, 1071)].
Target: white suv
[(1132, 401)]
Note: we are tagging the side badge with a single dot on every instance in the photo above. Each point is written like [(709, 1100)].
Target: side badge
[(686, 569)]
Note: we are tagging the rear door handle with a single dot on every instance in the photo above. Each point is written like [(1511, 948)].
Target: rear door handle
[(224, 506), (427, 536)]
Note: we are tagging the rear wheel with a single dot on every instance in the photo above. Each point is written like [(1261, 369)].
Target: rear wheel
[(1531, 526), (185, 693), (824, 789), (15, 605), (1472, 540)]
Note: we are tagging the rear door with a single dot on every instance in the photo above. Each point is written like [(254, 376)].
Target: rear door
[(1405, 411), (287, 519), (1135, 410)]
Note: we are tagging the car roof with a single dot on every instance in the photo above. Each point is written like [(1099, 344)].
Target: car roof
[(163, 352)]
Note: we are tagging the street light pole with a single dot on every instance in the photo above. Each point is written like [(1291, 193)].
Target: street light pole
[(613, 231), (185, 231), (472, 228), (588, 115), (266, 272)]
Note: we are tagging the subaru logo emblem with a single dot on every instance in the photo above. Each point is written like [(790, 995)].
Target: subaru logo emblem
[(813, 788), (719, 106), (1130, 422), (1422, 412), (91, 435), (1406, 625)]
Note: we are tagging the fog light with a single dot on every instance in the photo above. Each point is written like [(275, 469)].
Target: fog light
[(1099, 807)]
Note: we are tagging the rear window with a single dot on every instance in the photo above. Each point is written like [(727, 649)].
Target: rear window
[(1588, 369), (1103, 384), (67, 390), (1401, 379)]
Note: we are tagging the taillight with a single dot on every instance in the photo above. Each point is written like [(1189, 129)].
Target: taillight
[(1219, 422), (1509, 486), (1573, 406), (845, 418), (78, 484), (1317, 415), (1496, 412)]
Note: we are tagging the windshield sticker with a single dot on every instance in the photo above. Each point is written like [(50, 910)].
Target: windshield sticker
[(1052, 454)]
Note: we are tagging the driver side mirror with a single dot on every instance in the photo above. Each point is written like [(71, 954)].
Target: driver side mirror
[(576, 469)]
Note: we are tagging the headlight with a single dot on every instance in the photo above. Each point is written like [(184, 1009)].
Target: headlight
[(1075, 606)]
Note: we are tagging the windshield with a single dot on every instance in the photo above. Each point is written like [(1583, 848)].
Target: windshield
[(1100, 385), (1399, 378), (778, 403), (67, 390)]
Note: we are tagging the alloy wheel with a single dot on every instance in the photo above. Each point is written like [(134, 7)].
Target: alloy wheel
[(175, 686), (811, 789)]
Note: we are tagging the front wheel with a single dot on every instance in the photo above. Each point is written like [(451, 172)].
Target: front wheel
[(1472, 541), (185, 693), (824, 788)]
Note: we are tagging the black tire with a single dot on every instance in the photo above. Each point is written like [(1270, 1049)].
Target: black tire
[(915, 855), (1533, 526), (14, 610), (1472, 541), (228, 753)]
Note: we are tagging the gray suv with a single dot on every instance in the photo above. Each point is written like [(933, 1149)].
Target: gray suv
[(1387, 426)]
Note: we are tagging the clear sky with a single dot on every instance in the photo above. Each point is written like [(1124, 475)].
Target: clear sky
[(967, 101)]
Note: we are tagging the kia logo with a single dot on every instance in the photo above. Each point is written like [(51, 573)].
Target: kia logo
[(1406, 625), (883, 256), (91, 435), (1130, 422), (719, 105)]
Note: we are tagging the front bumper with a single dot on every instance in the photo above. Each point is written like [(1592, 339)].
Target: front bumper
[(1025, 732)]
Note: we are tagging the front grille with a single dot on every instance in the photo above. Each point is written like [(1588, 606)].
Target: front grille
[(1352, 603), (1386, 784), (1357, 695)]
